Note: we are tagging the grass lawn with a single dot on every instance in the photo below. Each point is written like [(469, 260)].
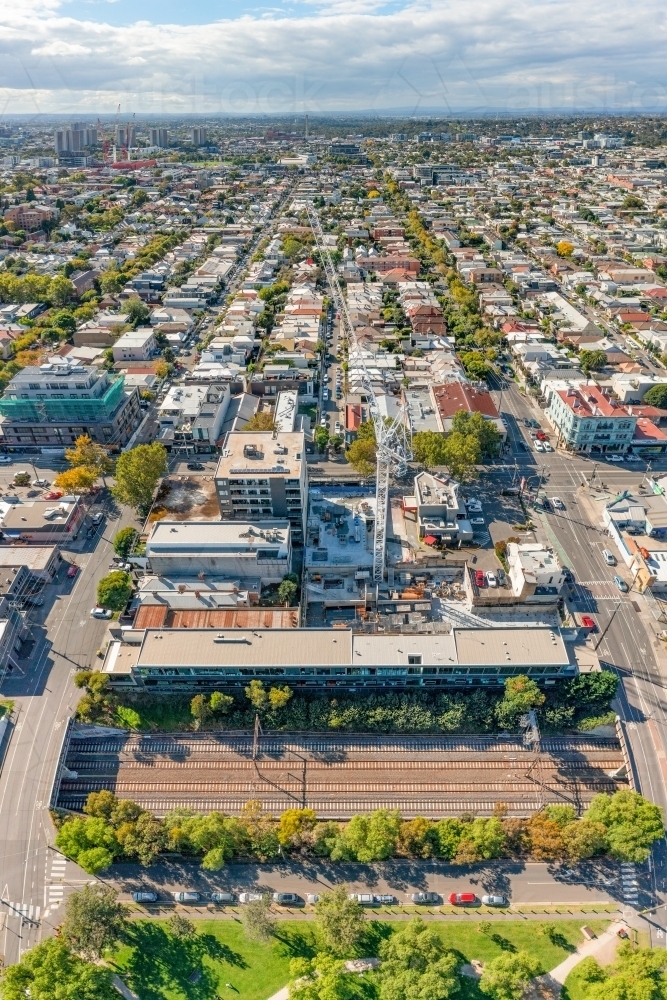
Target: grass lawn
[(5, 707), (158, 967)]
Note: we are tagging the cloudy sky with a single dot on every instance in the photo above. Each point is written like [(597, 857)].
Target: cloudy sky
[(76, 56)]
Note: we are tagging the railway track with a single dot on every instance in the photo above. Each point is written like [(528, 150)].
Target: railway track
[(435, 776)]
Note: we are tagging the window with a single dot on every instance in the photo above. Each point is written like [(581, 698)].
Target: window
[(414, 658)]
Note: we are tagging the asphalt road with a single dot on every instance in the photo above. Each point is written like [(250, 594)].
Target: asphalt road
[(65, 640)]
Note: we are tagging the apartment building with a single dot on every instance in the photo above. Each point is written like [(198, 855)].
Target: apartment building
[(589, 421), (263, 475), (29, 216), (51, 405), (190, 417)]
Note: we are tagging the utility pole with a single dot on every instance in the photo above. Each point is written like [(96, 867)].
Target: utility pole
[(255, 739), (531, 741)]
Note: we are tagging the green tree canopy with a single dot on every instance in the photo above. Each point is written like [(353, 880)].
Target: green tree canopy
[(521, 694), (428, 447), (461, 454), (114, 590), (592, 361), (137, 474), (92, 843), (94, 920), (506, 977), (257, 919), (656, 396), (632, 823), (137, 312), (50, 971), (340, 921), (415, 964), (86, 453), (125, 541)]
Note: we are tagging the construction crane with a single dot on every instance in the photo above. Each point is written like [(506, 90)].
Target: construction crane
[(392, 435)]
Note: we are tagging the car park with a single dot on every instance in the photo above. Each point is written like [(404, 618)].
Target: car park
[(144, 896), (494, 900), (621, 584), (222, 897), (365, 898), (186, 897), (491, 579), (558, 503), (609, 557), (250, 897), (424, 898), (101, 613), (285, 898), (480, 578), (588, 622), (462, 898)]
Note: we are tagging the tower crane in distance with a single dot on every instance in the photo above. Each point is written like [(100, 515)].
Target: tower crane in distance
[(393, 446)]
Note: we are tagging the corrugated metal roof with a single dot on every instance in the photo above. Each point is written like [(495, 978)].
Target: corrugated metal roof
[(158, 616), (497, 646), (206, 648)]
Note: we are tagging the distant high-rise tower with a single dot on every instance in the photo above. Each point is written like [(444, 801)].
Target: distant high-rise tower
[(73, 140), (125, 135), (199, 136), (159, 137)]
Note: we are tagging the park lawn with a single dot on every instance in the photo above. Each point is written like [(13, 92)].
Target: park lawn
[(157, 966)]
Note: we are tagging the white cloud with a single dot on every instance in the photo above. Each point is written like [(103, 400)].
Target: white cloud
[(542, 55)]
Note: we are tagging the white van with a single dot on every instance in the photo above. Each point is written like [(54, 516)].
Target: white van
[(609, 557)]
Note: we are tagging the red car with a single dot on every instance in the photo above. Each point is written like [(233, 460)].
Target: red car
[(462, 898), (480, 578), (53, 495), (588, 622), (73, 570), (541, 436)]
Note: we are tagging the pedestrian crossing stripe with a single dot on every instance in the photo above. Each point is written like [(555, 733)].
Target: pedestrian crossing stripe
[(24, 910)]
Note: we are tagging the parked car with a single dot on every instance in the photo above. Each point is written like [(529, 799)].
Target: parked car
[(615, 456), (477, 520), (491, 579), (632, 458), (548, 446), (588, 622), (186, 897), (541, 436), (73, 570), (222, 897), (41, 482), (53, 495), (502, 578), (250, 897), (558, 503), (494, 900), (5, 460), (539, 446), (286, 898), (473, 502), (101, 613), (195, 467), (462, 898), (480, 578), (365, 898), (424, 898), (385, 900), (621, 584), (312, 897), (33, 601), (144, 896), (97, 518), (325, 395), (609, 557)]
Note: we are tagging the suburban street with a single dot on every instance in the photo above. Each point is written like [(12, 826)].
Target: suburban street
[(45, 697)]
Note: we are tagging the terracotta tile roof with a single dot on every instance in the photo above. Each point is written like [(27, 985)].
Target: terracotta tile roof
[(454, 396)]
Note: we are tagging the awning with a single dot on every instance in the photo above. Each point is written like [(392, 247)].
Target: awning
[(430, 540)]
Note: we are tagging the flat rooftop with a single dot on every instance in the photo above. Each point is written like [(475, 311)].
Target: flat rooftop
[(169, 537), (340, 531), (499, 646), (262, 453)]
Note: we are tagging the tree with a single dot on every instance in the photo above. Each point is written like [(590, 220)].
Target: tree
[(417, 838), (362, 456), (415, 964), (200, 710), (94, 920), (78, 480), (280, 696), (257, 919), (287, 592), (137, 474), (593, 361), (584, 839), (295, 827), (261, 422), (163, 370), (340, 921), (221, 703), (22, 479), (180, 927), (506, 977), (125, 541), (636, 975), (657, 396), (632, 823), (137, 312), (475, 425), (61, 291), (546, 838), (373, 836), (321, 978), (50, 971), (114, 590), (256, 694), (521, 694), (89, 454), (429, 448), (321, 438), (143, 838), (461, 454), (564, 248), (633, 201), (92, 843)]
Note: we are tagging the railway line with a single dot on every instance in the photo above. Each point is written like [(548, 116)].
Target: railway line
[(338, 776)]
